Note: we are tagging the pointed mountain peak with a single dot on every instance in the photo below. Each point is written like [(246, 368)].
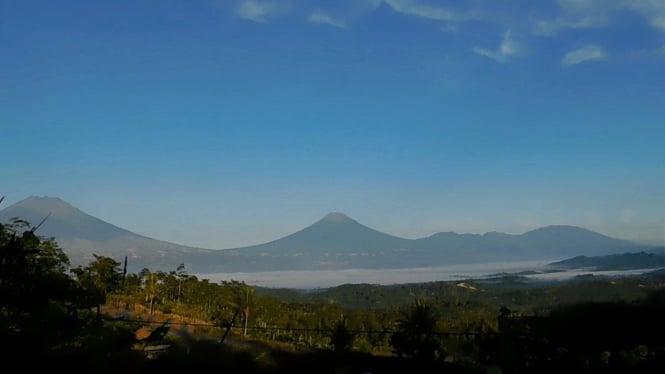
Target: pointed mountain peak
[(65, 221), (560, 229), (337, 217), (46, 203)]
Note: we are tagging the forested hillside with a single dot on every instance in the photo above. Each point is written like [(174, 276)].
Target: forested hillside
[(99, 316)]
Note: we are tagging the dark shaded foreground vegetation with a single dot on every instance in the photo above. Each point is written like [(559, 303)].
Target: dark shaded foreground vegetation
[(98, 318)]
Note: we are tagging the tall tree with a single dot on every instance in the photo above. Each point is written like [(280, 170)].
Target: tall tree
[(35, 292), (181, 274), (101, 276), (244, 300), (152, 290), (31, 268)]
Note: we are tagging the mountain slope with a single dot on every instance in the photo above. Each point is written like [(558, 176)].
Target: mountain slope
[(339, 242), (623, 261), (62, 220), (82, 235), (574, 240), (550, 241), (334, 233), (334, 242)]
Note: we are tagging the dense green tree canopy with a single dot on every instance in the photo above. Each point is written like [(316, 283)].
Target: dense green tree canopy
[(32, 271)]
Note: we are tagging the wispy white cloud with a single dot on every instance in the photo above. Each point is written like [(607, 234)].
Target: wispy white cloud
[(259, 11), (553, 27), (578, 14), (652, 10), (584, 14), (506, 49), (584, 54), (319, 17), (416, 8), (659, 22)]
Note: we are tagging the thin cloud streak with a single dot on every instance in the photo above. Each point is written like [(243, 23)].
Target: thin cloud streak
[(258, 11), (652, 10), (578, 15), (506, 49), (584, 54), (553, 27), (319, 17), (415, 8)]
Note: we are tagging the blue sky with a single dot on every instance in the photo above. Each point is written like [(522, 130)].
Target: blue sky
[(229, 123)]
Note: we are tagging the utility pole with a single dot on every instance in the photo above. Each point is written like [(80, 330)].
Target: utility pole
[(229, 325)]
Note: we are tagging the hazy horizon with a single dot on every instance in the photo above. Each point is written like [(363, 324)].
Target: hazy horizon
[(331, 216), (319, 279), (228, 124)]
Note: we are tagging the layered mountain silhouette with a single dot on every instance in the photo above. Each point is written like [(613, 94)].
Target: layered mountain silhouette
[(334, 242), (81, 235), (334, 233), (624, 261)]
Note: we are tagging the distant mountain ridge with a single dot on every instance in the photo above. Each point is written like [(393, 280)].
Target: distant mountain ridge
[(623, 261), (82, 235), (324, 235), (63, 219), (334, 242)]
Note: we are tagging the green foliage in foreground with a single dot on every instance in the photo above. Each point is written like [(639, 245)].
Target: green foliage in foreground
[(51, 318)]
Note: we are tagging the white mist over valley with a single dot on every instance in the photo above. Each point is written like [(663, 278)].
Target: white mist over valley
[(313, 279)]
